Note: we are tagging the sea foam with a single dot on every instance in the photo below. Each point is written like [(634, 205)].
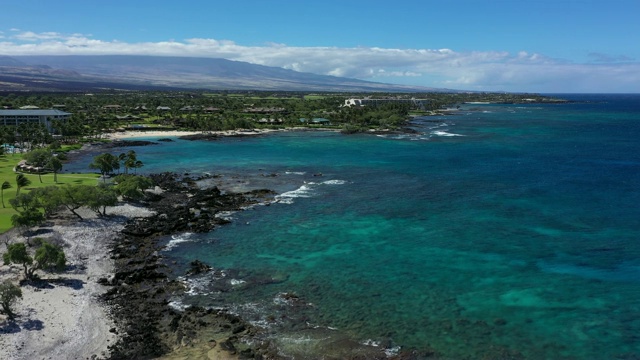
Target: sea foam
[(178, 239), (444, 133), (305, 191)]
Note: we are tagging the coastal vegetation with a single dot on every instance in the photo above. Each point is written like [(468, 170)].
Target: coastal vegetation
[(109, 111), (47, 257), (28, 182), (9, 295)]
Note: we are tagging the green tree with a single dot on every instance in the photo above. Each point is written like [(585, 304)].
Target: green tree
[(103, 196), (21, 181), (28, 213), (38, 158), (47, 257), (55, 165), (74, 197), (9, 295), (27, 219), (17, 254), (50, 257), (130, 161), (49, 199), (106, 164), (5, 185), (132, 186)]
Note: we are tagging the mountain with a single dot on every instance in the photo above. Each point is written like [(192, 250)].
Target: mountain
[(88, 72)]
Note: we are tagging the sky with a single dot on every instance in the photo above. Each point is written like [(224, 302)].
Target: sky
[(546, 46)]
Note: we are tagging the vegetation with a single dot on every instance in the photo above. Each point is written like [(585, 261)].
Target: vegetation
[(132, 187), (8, 162), (111, 111), (106, 164), (27, 213), (5, 185), (9, 295), (21, 181), (47, 257)]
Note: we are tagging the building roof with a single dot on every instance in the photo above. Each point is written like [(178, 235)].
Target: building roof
[(45, 112)]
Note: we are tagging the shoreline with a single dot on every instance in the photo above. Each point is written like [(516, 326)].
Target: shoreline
[(129, 134), (61, 316)]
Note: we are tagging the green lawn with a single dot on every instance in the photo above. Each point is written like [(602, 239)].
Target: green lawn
[(8, 161)]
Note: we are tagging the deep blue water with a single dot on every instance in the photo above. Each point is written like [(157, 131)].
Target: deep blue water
[(499, 229)]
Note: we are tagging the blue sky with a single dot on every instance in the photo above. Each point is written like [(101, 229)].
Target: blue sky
[(497, 45)]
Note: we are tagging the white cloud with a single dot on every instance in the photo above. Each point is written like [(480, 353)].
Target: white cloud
[(475, 70)]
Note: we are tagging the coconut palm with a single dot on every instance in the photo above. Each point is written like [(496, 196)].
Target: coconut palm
[(55, 165), (21, 181), (5, 185)]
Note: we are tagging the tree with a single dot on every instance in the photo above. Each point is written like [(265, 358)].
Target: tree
[(74, 197), (5, 185), (132, 186), (106, 163), (38, 158), (17, 254), (103, 196), (49, 199), (28, 212), (21, 181), (55, 165), (50, 257), (47, 257), (130, 161), (27, 219), (9, 295)]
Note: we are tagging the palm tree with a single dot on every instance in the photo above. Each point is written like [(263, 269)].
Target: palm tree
[(55, 165), (106, 163), (21, 181), (5, 185)]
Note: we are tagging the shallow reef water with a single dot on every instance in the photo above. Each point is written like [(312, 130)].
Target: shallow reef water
[(500, 231)]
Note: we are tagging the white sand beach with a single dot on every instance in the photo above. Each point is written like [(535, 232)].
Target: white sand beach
[(64, 319), (173, 133)]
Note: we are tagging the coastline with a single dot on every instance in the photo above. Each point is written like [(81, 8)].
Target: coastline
[(128, 134), (61, 316)]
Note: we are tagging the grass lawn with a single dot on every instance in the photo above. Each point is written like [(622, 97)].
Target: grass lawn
[(8, 161)]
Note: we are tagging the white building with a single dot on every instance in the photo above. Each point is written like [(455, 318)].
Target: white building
[(17, 117)]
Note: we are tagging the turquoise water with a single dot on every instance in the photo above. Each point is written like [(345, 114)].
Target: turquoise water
[(501, 229)]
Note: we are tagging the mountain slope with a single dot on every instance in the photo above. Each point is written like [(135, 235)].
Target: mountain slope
[(124, 71)]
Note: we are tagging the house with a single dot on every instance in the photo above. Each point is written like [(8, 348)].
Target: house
[(270, 110), (211, 110), (17, 117), (111, 107), (163, 108), (316, 121)]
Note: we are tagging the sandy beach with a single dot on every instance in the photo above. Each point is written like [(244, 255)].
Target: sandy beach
[(62, 318), (173, 133)]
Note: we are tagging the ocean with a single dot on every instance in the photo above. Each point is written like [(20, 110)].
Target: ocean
[(496, 231)]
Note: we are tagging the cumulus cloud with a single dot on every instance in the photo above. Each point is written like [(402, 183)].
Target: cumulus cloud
[(473, 70)]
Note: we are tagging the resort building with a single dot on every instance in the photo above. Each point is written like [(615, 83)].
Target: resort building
[(418, 103), (17, 117)]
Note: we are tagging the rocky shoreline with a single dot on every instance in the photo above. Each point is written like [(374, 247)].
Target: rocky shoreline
[(140, 288)]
